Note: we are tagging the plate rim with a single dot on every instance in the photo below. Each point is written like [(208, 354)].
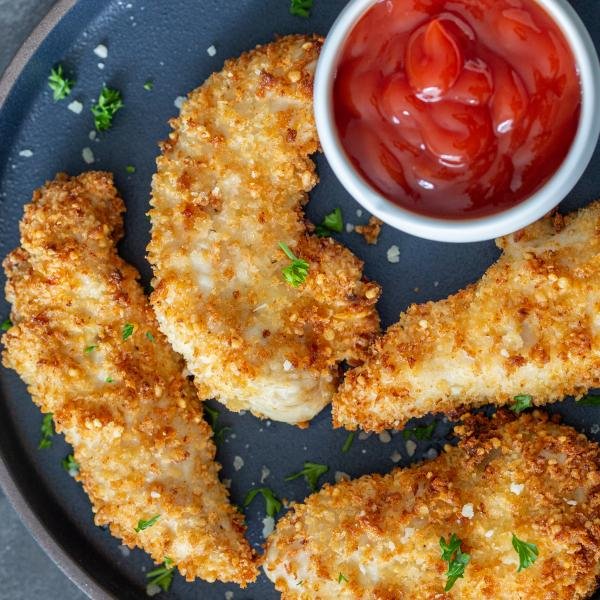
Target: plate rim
[(8, 485)]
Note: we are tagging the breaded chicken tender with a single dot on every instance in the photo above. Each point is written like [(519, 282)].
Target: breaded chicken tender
[(378, 537), (230, 186), (530, 326), (86, 343)]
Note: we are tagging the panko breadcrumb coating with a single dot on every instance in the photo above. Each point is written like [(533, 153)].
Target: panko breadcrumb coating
[(377, 537), (123, 401), (231, 183), (530, 326)]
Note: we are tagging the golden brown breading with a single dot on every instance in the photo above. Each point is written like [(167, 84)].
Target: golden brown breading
[(230, 186), (530, 476), (529, 326), (371, 230), (125, 405)]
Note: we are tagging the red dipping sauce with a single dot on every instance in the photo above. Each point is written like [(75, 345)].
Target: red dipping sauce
[(457, 108)]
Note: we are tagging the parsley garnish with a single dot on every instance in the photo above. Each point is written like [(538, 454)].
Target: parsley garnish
[(212, 416), (297, 271), (144, 524), (424, 432), (163, 576), (104, 110), (590, 400), (348, 443), (6, 325), (342, 577), (47, 430), (527, 552), (109, 380), (130, 169), (60, 85), (127, 330), (333, 222), (457, 560), (301, 8), (311, 472), (148, 85), (90, 349), (149, 336), (70, 465), (272, 503), (522, 402)]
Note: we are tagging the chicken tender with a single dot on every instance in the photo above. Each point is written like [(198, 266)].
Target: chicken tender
[(87, 345), (378, 537), (230, 186), (530, 326)]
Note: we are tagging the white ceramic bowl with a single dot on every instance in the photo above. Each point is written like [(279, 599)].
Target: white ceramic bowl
[(463, 230)]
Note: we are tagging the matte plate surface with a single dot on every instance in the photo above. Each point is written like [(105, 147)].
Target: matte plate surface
[(166, 42)]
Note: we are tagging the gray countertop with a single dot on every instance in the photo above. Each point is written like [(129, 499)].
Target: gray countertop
[(26, 573)]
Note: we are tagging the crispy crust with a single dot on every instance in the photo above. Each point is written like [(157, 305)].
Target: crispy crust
[(140, 440), (382, 532), (529, 326), (230, 185)]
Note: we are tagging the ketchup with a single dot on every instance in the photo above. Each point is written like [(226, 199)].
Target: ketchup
[(457, 108)]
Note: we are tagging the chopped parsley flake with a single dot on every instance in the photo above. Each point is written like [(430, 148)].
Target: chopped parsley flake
[(297, 271), (6, 325), (162, 576), (311, 473), (457, 560), (104, 110), (212, 416), (90, 349), (342, 577), (47, 430), (149, 85), (301, 8), (60, 85), (272, 503), (130, 169), (70, 465), (144, 524), (590, 400), (332, 223), (527, 552), (348, 443), (109, 380), (127, 330), (424, 432), (522, 402), (150, 336)]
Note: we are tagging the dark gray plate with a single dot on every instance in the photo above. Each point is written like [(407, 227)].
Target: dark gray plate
[(167, 42)]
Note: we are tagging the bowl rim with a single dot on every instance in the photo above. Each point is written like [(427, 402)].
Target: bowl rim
[(542, 201)]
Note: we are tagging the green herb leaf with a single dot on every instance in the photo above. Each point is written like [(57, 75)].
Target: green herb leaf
[(47, 431), (60, 85), (272, 503), (104, 110), (90, 349), (522, 402), (590, 400), (70, 465), (527, 552), (333, 222), (6, 325), (342, 577), (127, 330), (301, 8), (297, 271), (163, 576), (109, 380), (144, 524), (456, 559), (149, 85), (130, 169), (150, 336), (212, 416), (348, 443), (424, 432), (311, 473)]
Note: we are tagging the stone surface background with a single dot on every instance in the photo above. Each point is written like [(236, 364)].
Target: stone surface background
[(26, 573)]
